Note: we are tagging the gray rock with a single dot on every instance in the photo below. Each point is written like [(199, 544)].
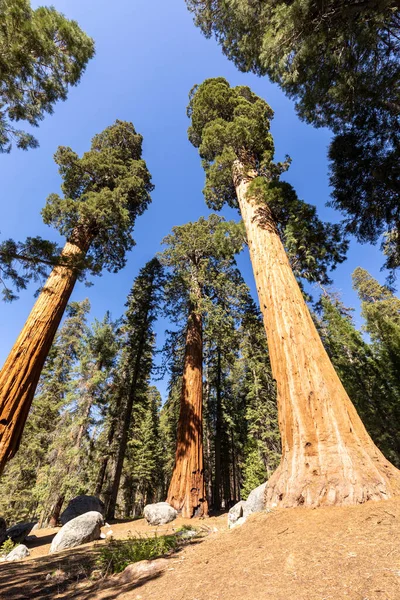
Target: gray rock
[(18, 553), (3, 531), (80, 530), (81, 505), (159, 513), (255, 501), (235, 513), (239, 522), (17, 533)]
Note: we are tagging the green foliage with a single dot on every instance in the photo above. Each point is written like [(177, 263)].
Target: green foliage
[(367, 372), (199, 259), (144, 458), (27, 481), (254, 471), (231, 128), (7, 546), (132, 420), (23, 262), (116, 555), (42, 54), (104, 192), (340, 62)]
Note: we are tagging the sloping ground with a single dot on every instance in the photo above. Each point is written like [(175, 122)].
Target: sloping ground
[(350, 553)]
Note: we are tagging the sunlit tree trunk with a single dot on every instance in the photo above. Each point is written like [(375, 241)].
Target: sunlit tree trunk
[(187, 492), (21, 371), (327, 455)]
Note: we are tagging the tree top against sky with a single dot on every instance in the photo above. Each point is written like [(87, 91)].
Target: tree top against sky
[(104, 191), (42, 54), (231, 125)]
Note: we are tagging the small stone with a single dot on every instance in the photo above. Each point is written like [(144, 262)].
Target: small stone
[(103, 536), (142, 569), (18, 553), (235, 513)]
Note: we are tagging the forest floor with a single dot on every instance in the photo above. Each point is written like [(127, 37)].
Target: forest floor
[(338, 553)]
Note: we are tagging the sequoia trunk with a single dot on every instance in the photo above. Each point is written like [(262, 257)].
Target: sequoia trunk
[(187, 493), (327, 455), (21, 371)]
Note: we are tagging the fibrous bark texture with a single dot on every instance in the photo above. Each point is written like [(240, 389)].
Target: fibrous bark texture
[(327, 455), (21, 371), (187, 493)]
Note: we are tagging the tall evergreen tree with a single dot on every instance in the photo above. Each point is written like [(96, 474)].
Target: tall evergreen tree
[(23, 493), (199, 258), (104, 192), (327, 455), (368, 378), (68, 473), (143, 467), (340, 62), (42, 54), (381, 310), (135, 365)]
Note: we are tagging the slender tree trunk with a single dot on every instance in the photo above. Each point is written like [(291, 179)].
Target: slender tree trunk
[(124, 431), (21, 371), (218, 434), (327, 455), (187, 492), (55, 511)]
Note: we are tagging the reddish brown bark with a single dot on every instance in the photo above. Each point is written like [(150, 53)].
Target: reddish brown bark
[(21, 371), (327, 455), (187, 492)]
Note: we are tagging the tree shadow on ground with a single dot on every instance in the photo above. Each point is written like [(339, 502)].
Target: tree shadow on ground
[(26, 580)]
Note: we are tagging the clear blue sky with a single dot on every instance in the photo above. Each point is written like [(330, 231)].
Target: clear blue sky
[(148, 56)]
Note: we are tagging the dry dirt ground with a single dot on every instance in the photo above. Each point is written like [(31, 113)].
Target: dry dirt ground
[(346, 553)]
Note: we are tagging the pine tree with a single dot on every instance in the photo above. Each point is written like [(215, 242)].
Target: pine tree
[(135, 365), (198, 256), (69, 471), (381, 310), (104, 192), (327, 455), (143, 467), (42, 54), (366, 377), (22, 493)]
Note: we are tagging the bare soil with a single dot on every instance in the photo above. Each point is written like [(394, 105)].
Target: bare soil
[(337, 553)]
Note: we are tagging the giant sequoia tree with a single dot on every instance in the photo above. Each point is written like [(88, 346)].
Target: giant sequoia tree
[(42, 54), (199, 257), (104, 192), (340, 62), (327, 455)]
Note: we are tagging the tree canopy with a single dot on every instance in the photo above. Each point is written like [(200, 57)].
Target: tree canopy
[(42, 54), (104, 191), (229, 124), (340, 62)]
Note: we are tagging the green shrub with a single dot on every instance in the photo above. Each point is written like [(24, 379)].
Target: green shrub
[(6, 547), (118, 554)]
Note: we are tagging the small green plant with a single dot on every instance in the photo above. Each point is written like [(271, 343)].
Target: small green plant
[(118, 554), (6, 547)]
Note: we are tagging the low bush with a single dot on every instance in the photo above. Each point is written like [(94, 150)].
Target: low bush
[(115, 555)]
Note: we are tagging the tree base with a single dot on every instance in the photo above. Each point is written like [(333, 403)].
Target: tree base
[(352, 478)]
